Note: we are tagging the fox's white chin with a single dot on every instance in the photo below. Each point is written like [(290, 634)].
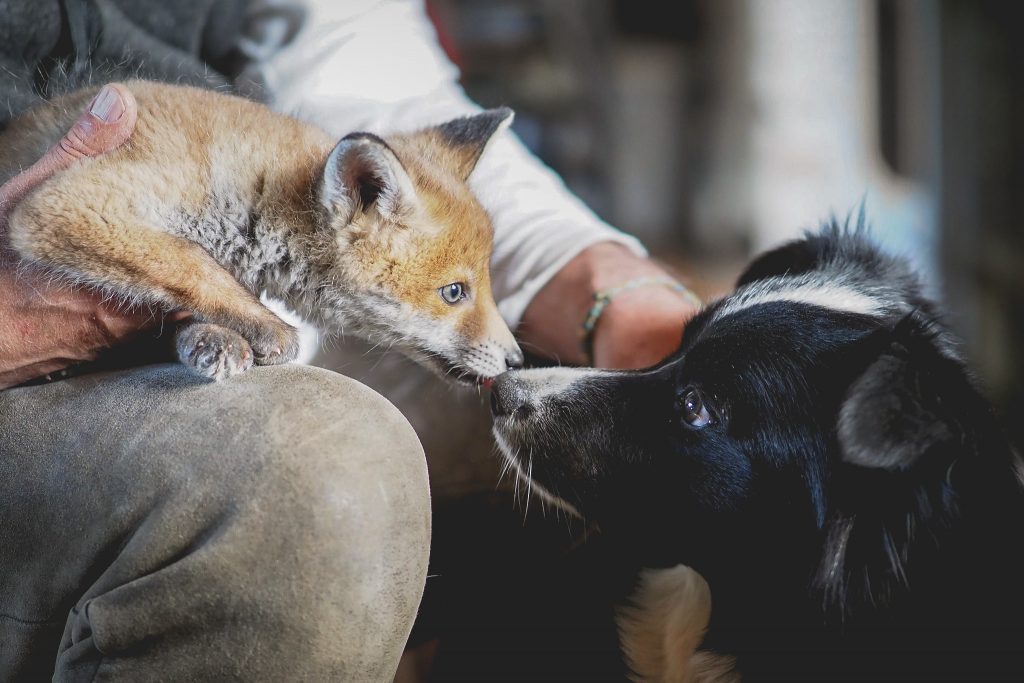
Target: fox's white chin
[(449, 370)]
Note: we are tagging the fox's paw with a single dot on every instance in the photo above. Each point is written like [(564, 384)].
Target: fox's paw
[(213, 351), (274, 344)]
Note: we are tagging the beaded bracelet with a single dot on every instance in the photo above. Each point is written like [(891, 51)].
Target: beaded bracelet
[(604, 297)]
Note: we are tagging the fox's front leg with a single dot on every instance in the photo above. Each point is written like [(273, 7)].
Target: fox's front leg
[(146, 264)]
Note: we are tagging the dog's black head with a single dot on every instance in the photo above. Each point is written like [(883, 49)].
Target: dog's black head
[(818, 422)]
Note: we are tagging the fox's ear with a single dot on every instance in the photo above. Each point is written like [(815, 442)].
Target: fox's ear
[(363, 174), (468, 137)]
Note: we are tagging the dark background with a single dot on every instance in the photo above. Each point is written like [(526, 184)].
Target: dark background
[(715, 128)]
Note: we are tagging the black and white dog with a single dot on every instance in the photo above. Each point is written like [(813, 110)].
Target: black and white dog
[(818, 451)]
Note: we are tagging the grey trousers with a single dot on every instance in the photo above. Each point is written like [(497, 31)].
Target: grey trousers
[(274, 527)]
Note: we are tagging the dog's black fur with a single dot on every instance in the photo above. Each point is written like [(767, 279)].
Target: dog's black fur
[(820, 453)]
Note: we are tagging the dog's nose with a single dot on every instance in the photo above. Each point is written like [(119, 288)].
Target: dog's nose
[(508, 394), (514, 358)]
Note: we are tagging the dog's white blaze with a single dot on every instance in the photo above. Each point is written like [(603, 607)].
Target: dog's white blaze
[(548, 381), (835, 297), (664, 624)]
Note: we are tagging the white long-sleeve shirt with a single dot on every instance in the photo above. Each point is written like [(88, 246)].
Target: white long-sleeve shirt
[(377, 65)]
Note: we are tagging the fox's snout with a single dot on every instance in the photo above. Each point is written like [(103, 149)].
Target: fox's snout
[(506, 342), (514, 358), (492, 355)]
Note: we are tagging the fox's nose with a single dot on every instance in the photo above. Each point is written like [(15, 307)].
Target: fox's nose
[(508, 394), (514, 358)]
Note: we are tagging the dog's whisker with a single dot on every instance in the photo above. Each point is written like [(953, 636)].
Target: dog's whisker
[(529, 484)]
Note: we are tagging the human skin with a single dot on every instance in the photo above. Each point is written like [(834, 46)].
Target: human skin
[(46, 327), (637, 329)]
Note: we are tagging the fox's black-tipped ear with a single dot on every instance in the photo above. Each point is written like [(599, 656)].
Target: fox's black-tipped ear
[(468, 136), (363, 173)]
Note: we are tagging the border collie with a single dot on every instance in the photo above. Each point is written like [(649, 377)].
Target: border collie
[(819, 453)]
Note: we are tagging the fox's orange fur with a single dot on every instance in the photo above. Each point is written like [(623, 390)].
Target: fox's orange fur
[(216, 199)]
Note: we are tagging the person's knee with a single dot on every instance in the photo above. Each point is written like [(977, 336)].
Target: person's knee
[(335, 454), (291, 501), (340, 478), (338, 498)]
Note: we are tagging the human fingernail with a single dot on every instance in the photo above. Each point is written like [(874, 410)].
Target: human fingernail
[(107, 106)]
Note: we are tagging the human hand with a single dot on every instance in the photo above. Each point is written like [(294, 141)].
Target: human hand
[(637, 329), (45, 326)]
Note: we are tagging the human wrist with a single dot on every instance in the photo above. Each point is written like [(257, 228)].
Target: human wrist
[(552, 323), (656, 305)]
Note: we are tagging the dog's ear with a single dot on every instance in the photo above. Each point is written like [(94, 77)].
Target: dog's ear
[(912, 400), (907, 421), (792, 258)]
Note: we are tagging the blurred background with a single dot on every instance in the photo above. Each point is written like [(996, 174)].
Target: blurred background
[(713, 129)]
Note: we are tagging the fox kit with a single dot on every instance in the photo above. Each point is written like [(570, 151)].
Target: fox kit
[(216, 199)]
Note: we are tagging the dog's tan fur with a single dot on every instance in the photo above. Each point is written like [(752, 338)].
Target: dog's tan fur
[(216, 199), (662, 627)]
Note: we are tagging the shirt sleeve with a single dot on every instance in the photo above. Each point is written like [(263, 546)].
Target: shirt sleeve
[(377, 65)]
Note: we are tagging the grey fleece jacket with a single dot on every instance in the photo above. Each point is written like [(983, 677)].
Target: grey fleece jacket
[(51, 46)]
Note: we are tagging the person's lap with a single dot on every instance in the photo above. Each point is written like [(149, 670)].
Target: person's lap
[(154, 526), (491, 544)]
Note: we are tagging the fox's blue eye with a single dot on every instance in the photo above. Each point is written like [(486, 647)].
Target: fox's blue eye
[(454, 292)]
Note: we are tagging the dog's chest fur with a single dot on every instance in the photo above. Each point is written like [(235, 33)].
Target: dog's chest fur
[(661, 629)]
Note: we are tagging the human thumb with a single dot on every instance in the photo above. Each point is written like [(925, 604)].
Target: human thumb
[(104, 126)]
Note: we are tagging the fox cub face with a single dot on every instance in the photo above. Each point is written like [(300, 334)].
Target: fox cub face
[(413, 246)]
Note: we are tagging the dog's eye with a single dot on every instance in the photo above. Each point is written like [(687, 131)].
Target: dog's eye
[(695, 413), (453, 293)]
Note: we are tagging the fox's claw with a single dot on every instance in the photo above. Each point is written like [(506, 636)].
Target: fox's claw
[(213, 351), (275, 345)]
